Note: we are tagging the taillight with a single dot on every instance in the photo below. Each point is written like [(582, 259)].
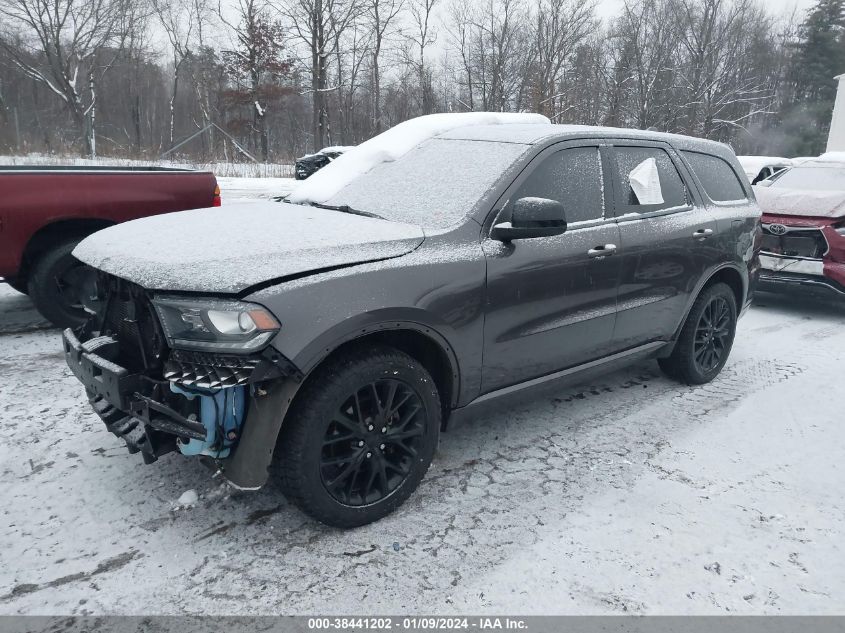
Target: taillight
[(215, 201)]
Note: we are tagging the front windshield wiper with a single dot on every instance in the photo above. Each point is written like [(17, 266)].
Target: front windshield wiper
[(345, 208)]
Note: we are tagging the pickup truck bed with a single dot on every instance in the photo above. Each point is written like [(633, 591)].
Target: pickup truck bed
[(46, 211)]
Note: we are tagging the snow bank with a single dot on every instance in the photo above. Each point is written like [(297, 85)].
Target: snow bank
[(235, 188), (220, 169), (391, 145)]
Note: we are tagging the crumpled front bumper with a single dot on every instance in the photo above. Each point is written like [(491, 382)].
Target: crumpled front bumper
[(785, 273), (130, 404), (142, 409)]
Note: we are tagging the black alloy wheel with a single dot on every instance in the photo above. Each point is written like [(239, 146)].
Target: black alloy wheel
[(705, 341), (359, 436), (712, 334), (371, 442)]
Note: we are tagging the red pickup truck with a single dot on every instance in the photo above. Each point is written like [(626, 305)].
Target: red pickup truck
[(46, 211)]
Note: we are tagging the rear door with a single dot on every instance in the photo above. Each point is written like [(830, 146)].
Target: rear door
[(551, 301), (667, 240)]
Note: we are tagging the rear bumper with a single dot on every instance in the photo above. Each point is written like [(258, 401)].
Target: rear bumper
[(779, 282)]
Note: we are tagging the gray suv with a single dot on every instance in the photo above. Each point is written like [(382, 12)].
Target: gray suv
[(337, 336)]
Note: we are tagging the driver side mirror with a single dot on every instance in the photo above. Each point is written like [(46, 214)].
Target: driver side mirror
[(531, 217)]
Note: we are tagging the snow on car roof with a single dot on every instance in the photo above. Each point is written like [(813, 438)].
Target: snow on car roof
[(539, 133), (753, 165), (500, 128), (392, 145), (828, 157)]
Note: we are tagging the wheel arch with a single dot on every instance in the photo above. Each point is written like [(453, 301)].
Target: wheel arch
[(728, 273), (55, 233), (248, 466), (422, 342)]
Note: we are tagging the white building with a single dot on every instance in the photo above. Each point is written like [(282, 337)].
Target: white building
[(836, 139)]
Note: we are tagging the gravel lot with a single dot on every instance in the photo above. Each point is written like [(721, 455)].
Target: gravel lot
[(628, 494)]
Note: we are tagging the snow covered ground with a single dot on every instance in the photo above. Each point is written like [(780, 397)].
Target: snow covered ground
[(222, 169), (232, 189), (628, 494)]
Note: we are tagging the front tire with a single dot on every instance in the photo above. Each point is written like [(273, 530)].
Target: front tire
[(359, 437), (706, 338)]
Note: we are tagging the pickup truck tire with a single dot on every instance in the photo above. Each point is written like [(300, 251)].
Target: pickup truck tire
[(359, 437), (56, 285), (706, 338)]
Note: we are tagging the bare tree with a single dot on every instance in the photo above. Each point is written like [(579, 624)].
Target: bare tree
[(381, 16), (318, 23), (561, 25), (647, 42), (421, 37), (183, 26), (715, 74), (257, 56), (351, 53), (57, 47), (492, 43)]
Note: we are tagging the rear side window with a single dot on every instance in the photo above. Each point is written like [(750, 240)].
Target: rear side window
[(572, 177), (648, 180), (720, 182)]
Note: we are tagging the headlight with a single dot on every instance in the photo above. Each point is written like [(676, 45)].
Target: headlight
[(215, 324), (840, 228)]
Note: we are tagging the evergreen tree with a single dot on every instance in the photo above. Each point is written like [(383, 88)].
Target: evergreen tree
[(819, 57)]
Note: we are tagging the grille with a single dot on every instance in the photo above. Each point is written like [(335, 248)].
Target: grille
[(209, 371), (129, 317), (795, 243)]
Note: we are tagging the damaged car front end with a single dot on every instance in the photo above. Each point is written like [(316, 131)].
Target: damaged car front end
[(168, 373)]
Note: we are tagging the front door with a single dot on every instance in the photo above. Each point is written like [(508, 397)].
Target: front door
[(551, 302)]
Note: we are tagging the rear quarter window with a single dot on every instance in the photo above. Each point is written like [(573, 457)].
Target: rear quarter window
[(720, 182)]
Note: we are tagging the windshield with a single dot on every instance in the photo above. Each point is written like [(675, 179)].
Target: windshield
[(437, 184), (817, 177)]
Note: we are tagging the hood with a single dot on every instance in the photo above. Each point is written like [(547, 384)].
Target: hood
[(801, 202), (228, 249)]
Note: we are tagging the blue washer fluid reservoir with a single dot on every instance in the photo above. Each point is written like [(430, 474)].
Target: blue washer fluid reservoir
[(220, 410)]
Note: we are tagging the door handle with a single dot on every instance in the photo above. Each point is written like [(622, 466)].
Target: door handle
[(602, 251), (703, 234)]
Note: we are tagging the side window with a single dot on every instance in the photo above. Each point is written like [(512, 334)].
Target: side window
[(719, 180), (649, 180), (573, 177)]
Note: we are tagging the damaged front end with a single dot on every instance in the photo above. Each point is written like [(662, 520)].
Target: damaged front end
[(173, 373)]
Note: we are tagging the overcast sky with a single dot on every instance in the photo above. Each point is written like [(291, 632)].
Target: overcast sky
[(610, 7)]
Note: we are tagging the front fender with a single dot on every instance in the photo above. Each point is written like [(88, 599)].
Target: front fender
[(248, 467), (386, 320)]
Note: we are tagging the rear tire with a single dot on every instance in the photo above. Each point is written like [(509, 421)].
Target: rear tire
[(360, 437), (57, 283), (706, 338)]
